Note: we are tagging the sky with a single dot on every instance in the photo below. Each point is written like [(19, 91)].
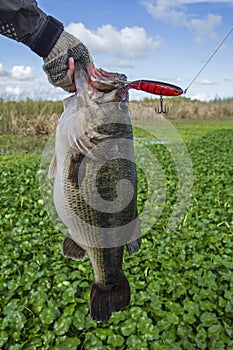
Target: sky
[(163, 40)]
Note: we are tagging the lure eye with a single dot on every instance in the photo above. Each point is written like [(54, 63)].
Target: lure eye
[(176, 92)]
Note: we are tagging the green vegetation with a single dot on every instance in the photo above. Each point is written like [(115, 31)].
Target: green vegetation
[(181, 282), (189, 129)]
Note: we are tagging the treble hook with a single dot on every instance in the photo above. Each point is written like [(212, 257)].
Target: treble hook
[(162, 110)]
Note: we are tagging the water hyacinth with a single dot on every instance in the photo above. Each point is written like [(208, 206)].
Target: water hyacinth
[(181, 282)]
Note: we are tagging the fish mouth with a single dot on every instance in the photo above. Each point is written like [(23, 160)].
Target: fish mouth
[(104, 86), (108, 81)]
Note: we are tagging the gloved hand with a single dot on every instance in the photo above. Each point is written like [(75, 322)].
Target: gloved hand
[(58, 65)]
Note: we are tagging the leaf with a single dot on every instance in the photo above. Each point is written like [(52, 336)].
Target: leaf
[(93, 342), (15, 347), (141, 298), (78, 320), (3, 338), (191, 307), (67, 343), (34, 343), (135, 342), (128, 327), (136, 312), (115, 340), (68, 296), (68, 311), (48, 337), (215, 331), (207, 305), (48, 315), (101, 333), (37, 300), (62, 325), (117, 318), (208, 319), (201, 338), (189, 318), (173, 318)]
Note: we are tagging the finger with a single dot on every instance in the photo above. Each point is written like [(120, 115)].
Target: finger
[(71, 70), (71, 67)]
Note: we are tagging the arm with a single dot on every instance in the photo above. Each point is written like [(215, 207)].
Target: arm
[(24, 21)]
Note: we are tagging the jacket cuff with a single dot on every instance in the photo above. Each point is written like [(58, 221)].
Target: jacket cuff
[(48, 37)]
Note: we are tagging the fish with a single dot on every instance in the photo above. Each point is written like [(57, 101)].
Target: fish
[(95, 186)]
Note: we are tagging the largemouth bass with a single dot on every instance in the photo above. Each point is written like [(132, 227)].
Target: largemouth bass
[(95, 186)]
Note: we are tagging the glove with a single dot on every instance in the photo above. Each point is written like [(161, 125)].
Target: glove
[(56, 63)]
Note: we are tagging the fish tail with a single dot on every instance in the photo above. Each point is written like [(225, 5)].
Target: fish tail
[(134, 246), (72, 250), (107, 299)]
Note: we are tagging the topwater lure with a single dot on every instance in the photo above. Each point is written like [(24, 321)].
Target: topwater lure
[(155, 88)]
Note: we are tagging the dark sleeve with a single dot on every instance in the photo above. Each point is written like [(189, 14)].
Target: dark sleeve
[(24, 21)]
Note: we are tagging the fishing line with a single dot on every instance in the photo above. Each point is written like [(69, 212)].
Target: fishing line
[(210, 58)]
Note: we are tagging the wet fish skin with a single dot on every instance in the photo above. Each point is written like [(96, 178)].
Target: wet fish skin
[(86, 123)]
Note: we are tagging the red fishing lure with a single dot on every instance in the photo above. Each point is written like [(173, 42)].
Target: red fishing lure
[(155, 88)]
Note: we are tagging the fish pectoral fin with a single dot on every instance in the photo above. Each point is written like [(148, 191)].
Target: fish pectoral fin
[(53, 167), (72, 250), (105, 299), (77, 169)]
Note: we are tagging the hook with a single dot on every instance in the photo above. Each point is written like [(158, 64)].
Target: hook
[(162, 110)]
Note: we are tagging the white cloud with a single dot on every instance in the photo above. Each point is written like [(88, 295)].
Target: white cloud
[(166, 10), (176, 13), (13, 91), (229, 79), (205, 82), (21, 72), (111, 64), (36, 87), (17, 72), (3, 72), (126, 44), (178, 79), (206, 1), (205, 26), (202, 97)]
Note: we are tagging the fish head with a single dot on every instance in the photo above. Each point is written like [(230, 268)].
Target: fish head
[(104, 88)]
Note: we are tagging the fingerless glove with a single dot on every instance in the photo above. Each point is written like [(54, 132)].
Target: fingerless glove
[(56, 63)]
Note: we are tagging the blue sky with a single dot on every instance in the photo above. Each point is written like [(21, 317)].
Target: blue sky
[(163, 40)]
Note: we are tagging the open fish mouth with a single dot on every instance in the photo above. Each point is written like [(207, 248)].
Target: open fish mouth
[(108, 81)]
